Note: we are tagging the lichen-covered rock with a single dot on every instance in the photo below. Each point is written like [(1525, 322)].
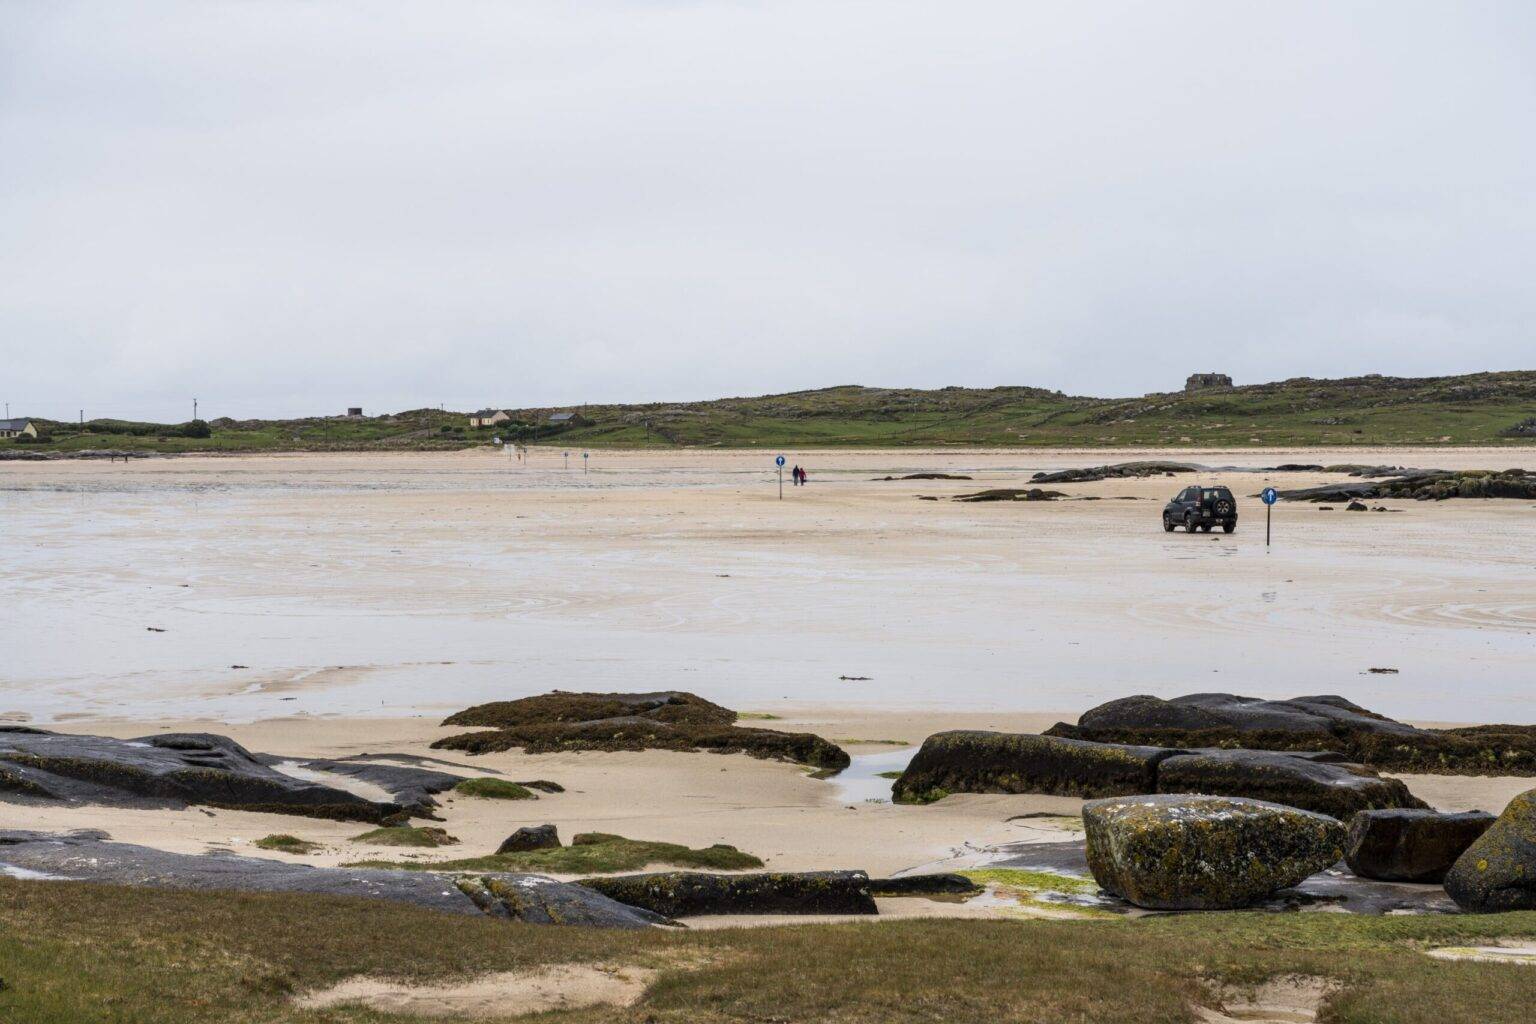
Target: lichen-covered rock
[(973, 761), (691, 893), (1498, 871), (1182, 852), (1297, 781), (1308, 723), (990, 762), (1410, 845), (668, 720), (169, 770), (530, 837), (90, 857)]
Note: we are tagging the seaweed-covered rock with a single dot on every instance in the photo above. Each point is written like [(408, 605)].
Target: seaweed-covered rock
[(974, 761), (923, 885), (1498, 871), (1115, 471), (1410, 845), (530, 837), (1181, 852), (990, 762), (88, 856), (669, 720), (169, 770), (1426, 485), (1310, 724), (690, 893), (1012, 494), (1297, 781)]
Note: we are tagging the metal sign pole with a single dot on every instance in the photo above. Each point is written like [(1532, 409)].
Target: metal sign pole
[(780, 463)]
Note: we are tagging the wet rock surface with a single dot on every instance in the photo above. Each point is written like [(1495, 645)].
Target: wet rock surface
[(530, 837), (409, 786), (668, 720), (1308, 724), (89, 856), (1498, 871), (1410, 845), (1174, 852), (169, 770), (969, 761), (692, 893), (923, 885), (1115, 471)]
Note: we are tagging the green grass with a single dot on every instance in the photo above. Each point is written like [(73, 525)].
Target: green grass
[(494, 789), (1470, 409), (73, 952), (284, 843), (402, 835), (592, 853), (891, 775)]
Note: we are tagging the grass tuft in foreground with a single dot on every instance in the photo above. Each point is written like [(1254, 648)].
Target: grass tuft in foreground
[(405, 835), (591, 853), (284, 843)]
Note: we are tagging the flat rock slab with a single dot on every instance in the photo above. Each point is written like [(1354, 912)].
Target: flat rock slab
[(1411, 845), (90, 857), (1177, 852), (1334, 889), (692, 893), (168, 770), (971, 761)]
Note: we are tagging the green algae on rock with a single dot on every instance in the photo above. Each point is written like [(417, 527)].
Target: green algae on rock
[(494, 789), (1182, 852), (689, 893), (402, 835), (669, 720), (1498, 871)]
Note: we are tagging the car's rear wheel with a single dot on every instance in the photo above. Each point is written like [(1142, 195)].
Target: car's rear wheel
[(1223, 507), (1228, 527)]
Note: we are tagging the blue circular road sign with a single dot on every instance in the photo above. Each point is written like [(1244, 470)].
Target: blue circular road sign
[(779, 461), (1270, 495)]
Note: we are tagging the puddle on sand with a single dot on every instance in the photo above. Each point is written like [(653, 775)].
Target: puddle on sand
[(860, 782)]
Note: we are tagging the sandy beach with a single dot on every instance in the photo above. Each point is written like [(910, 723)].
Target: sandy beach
[(332, 605)]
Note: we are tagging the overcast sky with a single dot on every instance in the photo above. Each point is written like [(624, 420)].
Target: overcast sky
[(289, 208)]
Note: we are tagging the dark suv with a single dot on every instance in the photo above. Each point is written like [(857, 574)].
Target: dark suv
[(1200, 508)]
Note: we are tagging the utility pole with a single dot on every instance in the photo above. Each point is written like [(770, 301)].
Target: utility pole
[(194, 408)]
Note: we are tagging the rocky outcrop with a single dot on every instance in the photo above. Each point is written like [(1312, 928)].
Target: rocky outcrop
[(1116, 471), (1498, 871), (670, 720), (530, 837), (409, 786), (1426, 485), (169, 770), (923, 885), (990, 762), (1179, 852), (1308, 724), (1012, 494), (691, 893), (88, 856), (1410, 845)]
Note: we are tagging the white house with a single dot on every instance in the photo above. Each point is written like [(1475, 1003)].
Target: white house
[(15, 428)]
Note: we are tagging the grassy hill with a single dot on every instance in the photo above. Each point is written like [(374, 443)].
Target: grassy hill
[(1483, 408)]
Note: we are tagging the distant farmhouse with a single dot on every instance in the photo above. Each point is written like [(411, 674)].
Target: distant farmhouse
[(1207, 382), (568, 419), (16, 428), (354, 412), (489, 417)]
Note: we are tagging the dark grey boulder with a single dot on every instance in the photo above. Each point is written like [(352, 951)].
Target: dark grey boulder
[(169, 770), (1327, 788), (972, 761), (530, 837), (1410, 845), (991, 762), (923, 885), (1182, 852), (1498, 871), (88, 856), (690, 893), (1319, 716), (407, 785)]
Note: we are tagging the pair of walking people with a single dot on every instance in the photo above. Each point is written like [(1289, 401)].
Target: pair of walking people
[(797, 475)]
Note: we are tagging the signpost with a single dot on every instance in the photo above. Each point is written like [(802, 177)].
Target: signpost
[(780, 463), (1270, 496), (584, 463), (567, 457)]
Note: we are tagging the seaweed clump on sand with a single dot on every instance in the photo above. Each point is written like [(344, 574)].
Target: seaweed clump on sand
[(1012, 494), (669, 720)]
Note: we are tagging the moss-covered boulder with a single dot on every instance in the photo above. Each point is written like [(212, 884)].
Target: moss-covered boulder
[(1182, 852), (669, 720), (1323, 786), (973, 761), (1410, 845), (1498, 871), (691, 893)]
